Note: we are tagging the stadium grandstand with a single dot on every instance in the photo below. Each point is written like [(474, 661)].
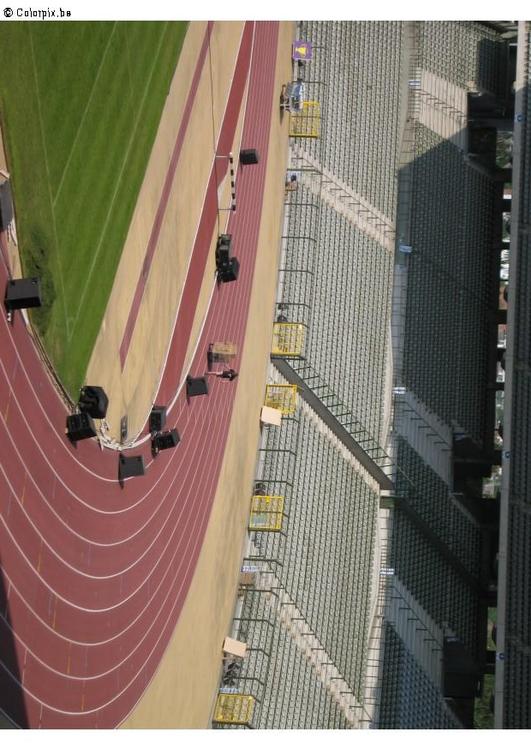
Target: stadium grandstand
[(376, 588)]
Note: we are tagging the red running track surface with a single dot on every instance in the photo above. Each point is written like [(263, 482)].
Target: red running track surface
[(94, 575)]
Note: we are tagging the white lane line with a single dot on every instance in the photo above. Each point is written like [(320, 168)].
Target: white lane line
[(63, 483), (178, 553), (103, 545), (187, 503), (191, 538), (175, 596), (61, 439)]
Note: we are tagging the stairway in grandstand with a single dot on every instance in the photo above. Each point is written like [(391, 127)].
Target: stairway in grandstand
[(344, 201)]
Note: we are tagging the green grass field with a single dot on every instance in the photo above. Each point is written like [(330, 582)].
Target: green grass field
[(80, 106)]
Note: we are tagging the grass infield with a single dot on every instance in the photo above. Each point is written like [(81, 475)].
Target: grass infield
[(80, 106)]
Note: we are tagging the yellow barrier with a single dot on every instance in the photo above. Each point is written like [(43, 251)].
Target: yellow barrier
[(281, 397), (288, 339), (234, 708), (266, 513), (306, 124)]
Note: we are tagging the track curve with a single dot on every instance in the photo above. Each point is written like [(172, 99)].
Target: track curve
[(95, 574)]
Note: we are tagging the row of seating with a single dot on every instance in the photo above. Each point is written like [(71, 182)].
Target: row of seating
[(451, 283), (517, 708), (441, 590), (517, 672), (297, 275), (518, 615), (347, 310), (408, 699), (325, 559), (347, 313), (348, 339), (370, 443), (356, 76), (322, 561), (296, 698), (476, 61), (428, 497)]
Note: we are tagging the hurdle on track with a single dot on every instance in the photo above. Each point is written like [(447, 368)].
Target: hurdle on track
[(232, 206)]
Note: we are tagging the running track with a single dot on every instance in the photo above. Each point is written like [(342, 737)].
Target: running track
[(95, 575)]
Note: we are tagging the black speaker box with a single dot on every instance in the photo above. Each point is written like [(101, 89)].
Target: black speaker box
[(22, 293), (222, 258), (93, 401), (80, 426), (223, 249), (196, 387), (6, 204), (168, 439), (157, 419), (130, 466), (230, 271), (249, 156)]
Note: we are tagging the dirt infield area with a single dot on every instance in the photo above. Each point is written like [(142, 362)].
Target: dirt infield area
[(132, 346)]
